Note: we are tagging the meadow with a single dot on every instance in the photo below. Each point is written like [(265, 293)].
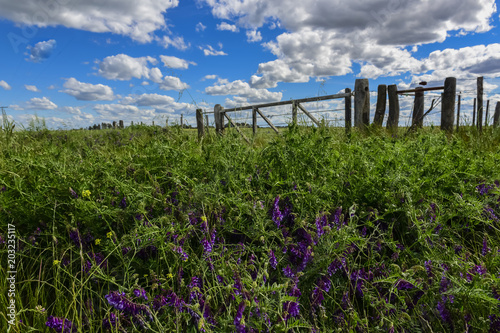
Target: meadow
[(148, 229)]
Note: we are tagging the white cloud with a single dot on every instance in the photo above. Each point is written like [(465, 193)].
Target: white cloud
[(123, 67), (87, 91), (228, 27), (31, 88), (209, 77), (325, 37), (210, 51), (5, 85), (200, 27), (177, 42), (243, 89), (161, 103), (40, 104), (71, 110), (173, 83), (253, 36), (174, 62), (137, 19), (41, 51)]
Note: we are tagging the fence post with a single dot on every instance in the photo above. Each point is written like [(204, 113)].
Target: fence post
[(361, 103), (474, 113), (121, 123), (132, 123), (487, 113), (182, 121), (348, 111), (208, 124), (496, 116), (480, 103), (199, 123), (418, 109), (458, 111), (448, 104), (294, 113), (219, 118), (114, 124), (393, 118), (254, 121), (153, 123), (381, 104)]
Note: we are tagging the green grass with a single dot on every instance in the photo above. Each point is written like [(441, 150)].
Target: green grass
[(379, 232)]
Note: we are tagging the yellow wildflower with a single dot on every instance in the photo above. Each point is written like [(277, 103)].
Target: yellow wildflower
[(86, 193), (204, 218), (57, 262), (109, 234), (97, 241), (169, 276)]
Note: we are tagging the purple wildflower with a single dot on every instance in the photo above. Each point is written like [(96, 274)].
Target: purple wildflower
[(123, 203), (483, 189), (428, 268), (404, 285), (61, 325), (288, 272), (140, 293), (125, 250), (443, 312), (490, 214), (110, 322), (183, 254), (239, 315), (335, 266), (485, 249), (458, 249), (277, 216), (121, 302), (494, 323), (272, 260), (73, 193)]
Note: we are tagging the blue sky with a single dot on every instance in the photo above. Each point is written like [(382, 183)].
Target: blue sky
[(79, 63)]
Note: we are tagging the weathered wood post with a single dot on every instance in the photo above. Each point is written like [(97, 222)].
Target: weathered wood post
[(294, 113), (480, 103), (114, 124), (496, 116), (219, 118), (132, 123), (474, 113), (99, 126), (121, 123), (448, 104), (393, 118), (381, 105), (182, 121), (208, 124), (199, 123), (487, 113), (458, 111), (348, 111), (153, 122), (418, 109), (254, 121), (361, 103)]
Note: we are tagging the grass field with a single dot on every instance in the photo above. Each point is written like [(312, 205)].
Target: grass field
[(146, 229)]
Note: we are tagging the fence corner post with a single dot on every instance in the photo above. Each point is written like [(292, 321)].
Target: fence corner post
[(393, 118), (448, 104), (199, 123), (361, 103), (219, 118), (348, 111)]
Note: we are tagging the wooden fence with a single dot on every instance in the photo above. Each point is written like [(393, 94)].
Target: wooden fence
[(361, 96)]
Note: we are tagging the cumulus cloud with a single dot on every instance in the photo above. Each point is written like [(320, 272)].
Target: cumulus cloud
[(161, 103), (209, 77), (200, 27), (31, 88), (5, 85), (174, 62), (173, 83), (41, 51), (40, 104), (228, 27), (253, 36), (210, 51), (177, 42), (243, 89), (87, 91), (137, 19), (123, 67), (326, 37)]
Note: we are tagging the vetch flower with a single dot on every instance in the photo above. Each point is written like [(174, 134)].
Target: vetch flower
[(73, 193), (272, 260), (61, 325)]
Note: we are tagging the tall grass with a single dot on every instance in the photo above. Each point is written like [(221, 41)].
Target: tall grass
[(148, 229)]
